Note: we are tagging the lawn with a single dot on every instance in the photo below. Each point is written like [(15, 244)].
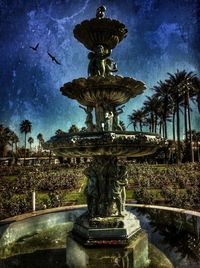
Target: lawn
[(171, 185)]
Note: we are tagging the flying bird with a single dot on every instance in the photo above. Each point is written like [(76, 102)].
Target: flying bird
[(35, 48), (54, 59)]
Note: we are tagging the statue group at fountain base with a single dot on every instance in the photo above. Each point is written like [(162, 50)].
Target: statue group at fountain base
[(107, 118), (105, 190)]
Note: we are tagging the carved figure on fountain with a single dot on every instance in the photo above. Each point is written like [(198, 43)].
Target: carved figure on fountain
[(117, 112), (100, 30), (91, 191), (100, 64), (100, 13), (108, 121), (105, 190), (118, 190), (89, 118)]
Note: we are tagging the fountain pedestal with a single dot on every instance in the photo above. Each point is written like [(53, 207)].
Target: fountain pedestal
[(135, 254), (112, 230)]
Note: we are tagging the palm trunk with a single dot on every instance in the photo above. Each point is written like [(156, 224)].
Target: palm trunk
[(190, 131), (12, 148), (160, 129), (156, 119), (173, 126), (152, 122), (185, 118), (24, 147), (178, 129), (163, 130), (16, 148), (165, 116), (140, 126), (165, 124)]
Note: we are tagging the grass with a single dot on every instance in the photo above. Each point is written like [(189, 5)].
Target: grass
[(10, 178), (78, 198)]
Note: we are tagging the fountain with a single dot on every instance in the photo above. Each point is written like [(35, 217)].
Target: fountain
[(105, 234), (106, 222)]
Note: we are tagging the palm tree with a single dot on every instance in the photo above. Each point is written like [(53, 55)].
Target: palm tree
[(40, 139), (184, 86), (5, 139), (151, 106), (25, 127), (14, 140), (137, 116), (30, 141), (163, 94), (132, 121)]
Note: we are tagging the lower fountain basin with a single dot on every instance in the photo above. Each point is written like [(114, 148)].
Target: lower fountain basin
[(40, 241), (88, 144)]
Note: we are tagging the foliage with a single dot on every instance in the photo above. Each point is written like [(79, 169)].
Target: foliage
[(54, 181), (178, 186)]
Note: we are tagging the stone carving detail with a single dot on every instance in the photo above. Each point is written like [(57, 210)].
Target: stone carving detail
[(89, 118), (108, 121), (100, 64), (100, 13), (105, 190), (117, 112)]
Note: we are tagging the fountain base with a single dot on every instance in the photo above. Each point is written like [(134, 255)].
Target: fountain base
[(113, 230), (135, 254)]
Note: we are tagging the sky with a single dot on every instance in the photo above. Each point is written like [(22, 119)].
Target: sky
[(163, 36)]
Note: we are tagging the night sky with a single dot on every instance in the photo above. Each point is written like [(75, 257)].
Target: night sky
[(163, 36)]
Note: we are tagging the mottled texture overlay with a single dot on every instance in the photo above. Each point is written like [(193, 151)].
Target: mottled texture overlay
[(163, 36)]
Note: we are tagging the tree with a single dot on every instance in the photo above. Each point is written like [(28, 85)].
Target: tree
[(30, 141), (14, 140), (137, 117), (5, 139), (183, 87), (40, 139), (151, 106), (73, 129), (165, 104), (25, 127)]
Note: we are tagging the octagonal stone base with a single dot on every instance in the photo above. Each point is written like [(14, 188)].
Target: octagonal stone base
[(112, 230), (135, 254)]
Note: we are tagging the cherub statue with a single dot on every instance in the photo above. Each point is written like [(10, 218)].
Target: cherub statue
[(118, 190), (100, 13), (89, 118), (97, 64), (110, 67), (108, 125), (91, 191), (117, 112)]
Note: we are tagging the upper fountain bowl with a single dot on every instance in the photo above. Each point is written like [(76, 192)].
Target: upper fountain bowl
[(115, 90), (105, 31)]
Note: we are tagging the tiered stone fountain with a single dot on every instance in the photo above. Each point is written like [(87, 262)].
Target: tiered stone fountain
[(106, 222)]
